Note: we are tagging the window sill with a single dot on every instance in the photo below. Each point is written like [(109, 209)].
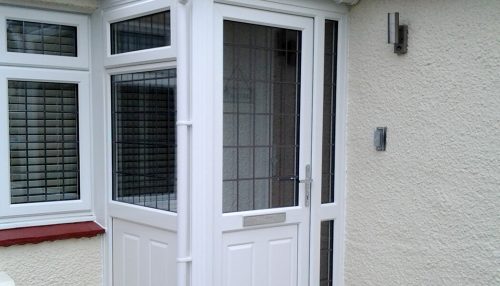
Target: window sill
[(37, 234)]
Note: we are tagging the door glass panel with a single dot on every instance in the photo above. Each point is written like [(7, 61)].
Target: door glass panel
[(261, 116), (326, 253), (329, 107), (144, 138)]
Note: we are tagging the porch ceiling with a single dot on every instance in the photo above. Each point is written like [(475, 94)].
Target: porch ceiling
[(81, 6), (347, 2)]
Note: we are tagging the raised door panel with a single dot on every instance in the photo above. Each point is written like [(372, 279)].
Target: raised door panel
[(240, 258), (282, 266), (260, 257), (143, 255), (130, 267), (160, 263)]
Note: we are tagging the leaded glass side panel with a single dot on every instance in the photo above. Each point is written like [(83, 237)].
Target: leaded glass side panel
[(144, 138), (329, 112), (326, 253)]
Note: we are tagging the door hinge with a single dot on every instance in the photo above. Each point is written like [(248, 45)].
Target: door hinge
[(307, 184)]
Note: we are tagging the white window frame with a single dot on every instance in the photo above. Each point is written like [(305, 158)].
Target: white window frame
[(16, 213), (155, 217), (132, 11), (81, 22)]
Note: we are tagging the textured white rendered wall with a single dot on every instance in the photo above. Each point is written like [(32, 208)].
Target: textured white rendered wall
[(426, 211), (75, 262)]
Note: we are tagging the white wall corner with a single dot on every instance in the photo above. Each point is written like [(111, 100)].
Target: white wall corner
[(5, 280)]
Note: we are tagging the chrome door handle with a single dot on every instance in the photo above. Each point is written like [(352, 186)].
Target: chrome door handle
[(291, 178), (307, 181)]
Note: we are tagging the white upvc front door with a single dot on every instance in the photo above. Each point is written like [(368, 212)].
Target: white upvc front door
[(263, 102)]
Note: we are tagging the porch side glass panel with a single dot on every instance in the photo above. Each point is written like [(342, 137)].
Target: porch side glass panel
[(144, 138), (328, 149)]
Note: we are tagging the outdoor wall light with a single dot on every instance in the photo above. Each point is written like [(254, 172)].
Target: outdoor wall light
[(397, 34)]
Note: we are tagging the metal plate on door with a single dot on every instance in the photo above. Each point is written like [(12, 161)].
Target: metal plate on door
[(254, 220)]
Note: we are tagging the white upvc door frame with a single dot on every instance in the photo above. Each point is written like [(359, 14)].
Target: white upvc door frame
[(203, 202), (330, 211)]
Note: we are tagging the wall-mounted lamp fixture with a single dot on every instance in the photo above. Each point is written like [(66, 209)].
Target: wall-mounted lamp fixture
[(397, 34), (380, 138)]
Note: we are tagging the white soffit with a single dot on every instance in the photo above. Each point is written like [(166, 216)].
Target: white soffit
[(347, 2), (80, 6)]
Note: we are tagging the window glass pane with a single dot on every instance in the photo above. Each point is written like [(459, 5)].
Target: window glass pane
[(43, 129), (41, 38), (146, 32), (261, 116), (326, 253), (329, 107), (144, 138)]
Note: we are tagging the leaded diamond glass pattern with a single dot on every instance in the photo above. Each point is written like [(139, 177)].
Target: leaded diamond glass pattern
[(261, 116)]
